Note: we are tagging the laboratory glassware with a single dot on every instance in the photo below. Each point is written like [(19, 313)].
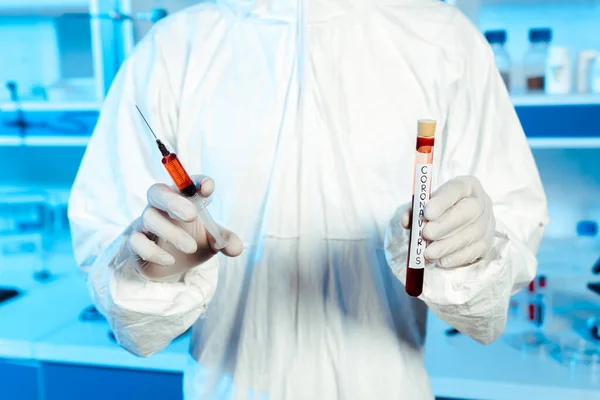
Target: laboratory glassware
[(421, 193), (23, 224), (573, 351), (535, 59), (558, 71), (595, 75), (497, 39), (585, 65)]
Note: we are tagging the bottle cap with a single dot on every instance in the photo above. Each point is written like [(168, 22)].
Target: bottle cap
[(426, 127), (540, 35), (587, 55), (558, 53), (494, 37)]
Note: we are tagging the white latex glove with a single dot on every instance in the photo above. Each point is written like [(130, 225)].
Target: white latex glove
[(460, 223), (157, 278), (169, 239)]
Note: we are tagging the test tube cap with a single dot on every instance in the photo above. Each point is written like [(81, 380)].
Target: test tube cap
[(426, 127)]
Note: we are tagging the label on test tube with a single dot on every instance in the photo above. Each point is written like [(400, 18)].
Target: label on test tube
[(421, 197)]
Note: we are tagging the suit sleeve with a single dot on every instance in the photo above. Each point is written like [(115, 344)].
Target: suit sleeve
[(120, 164)]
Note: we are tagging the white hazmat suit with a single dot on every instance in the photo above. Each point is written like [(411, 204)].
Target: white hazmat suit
[(305, 113)]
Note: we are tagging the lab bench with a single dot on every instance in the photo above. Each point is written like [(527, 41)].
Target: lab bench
[(47, 351)]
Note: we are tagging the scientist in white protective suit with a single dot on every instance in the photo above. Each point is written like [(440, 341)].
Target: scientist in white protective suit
[(305, 113)]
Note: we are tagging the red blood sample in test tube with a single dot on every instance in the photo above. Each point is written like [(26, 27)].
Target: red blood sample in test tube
[(421, 193)]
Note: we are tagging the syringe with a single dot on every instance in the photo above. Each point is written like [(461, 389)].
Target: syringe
[(188, 189)]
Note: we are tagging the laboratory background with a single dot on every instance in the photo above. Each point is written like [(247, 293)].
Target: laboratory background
[(58, 59)]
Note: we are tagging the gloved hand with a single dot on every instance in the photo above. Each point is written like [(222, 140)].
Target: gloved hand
[(460, 223), (169, 239)]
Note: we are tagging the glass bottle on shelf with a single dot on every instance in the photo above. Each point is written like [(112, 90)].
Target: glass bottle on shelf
[(558, 71), (535, 59), (497, 39)]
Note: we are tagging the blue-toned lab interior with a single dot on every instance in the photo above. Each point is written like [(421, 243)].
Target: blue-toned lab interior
[(58, 60)]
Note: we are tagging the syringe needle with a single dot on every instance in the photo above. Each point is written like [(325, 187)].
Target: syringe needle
[(147, 124), (183, 182)]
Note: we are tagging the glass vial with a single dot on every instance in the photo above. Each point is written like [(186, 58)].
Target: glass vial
[(497, 39), (535, 59)]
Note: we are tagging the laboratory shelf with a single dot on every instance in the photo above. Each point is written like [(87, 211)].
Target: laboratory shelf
[(564, 143), (15, 194), (566, 121), (555, 100), (42, 7), (82, 141), (45, 141), (50, 106)]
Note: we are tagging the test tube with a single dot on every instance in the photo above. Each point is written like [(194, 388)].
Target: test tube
[(421, 193), (531, 309)]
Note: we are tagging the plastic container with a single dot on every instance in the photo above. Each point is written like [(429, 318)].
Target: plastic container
[(497, 39), (595, 75), (585, 65), (558, 71), (535, 59)]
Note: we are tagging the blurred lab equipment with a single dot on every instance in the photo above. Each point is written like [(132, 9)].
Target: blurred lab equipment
[(188, 189), (595, 75), (19, 122), (531, 310), (90, 314), (573, 351), (594, 327), (451, 332), (16, 120), (558, 71), (537, 304), (21, 222), (154, 15), (585, 65), (27, 228), (535, 59), (587, 244), (497, 39), (73, 90), (7, 293), (594, 323), (596, 267)]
